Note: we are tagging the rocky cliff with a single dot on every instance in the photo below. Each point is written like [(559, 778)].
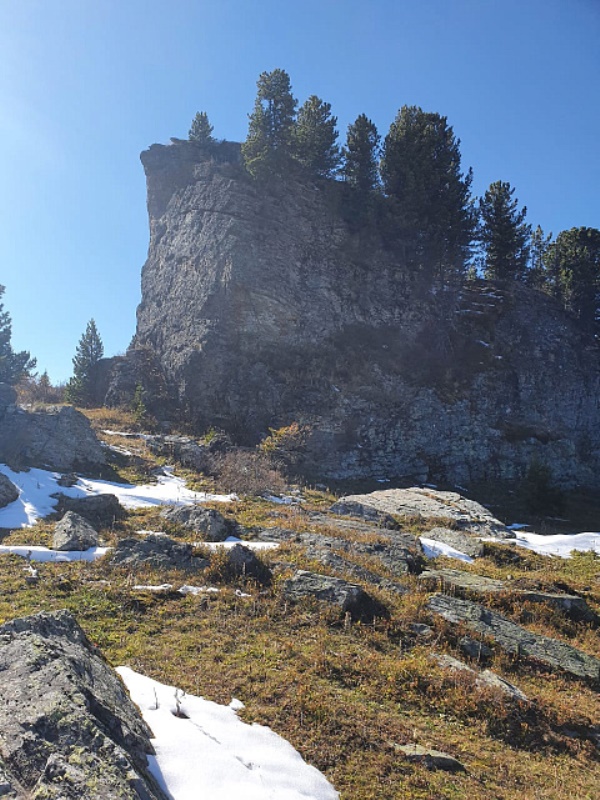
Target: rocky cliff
[(262, 305)]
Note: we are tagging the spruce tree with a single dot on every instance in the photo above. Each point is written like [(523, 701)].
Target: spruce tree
[(503, 234), (429, 197), (361, 156), (89, 351), (315, 138), (201, 130), (268, 146), (574, 262), (13, 366)]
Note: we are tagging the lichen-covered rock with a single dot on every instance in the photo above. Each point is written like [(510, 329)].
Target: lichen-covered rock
[(348, 597), (208, 522), (486, 678), (73, 532), (68, 729), (426, 503), (102, 510), (515, 639), (51, 437), (463, 541), (8, 491), (432, 759), (156, 550), (457, 579)]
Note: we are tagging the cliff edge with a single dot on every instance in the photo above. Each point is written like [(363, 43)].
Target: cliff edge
[(262, 304)]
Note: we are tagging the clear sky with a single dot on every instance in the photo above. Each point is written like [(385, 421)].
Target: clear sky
[(85, 85)]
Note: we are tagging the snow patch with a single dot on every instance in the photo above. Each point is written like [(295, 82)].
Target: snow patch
[(214, 754)]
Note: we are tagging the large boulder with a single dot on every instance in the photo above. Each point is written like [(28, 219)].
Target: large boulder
[(102, 510), (8, 491), (156, 550), (425, 503), (515, 639), (242, 562), (348, 597), (73, 532), (208, 522), (68, 730), (51, 437)]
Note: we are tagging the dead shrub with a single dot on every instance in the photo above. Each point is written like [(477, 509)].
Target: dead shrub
[(249, 472)]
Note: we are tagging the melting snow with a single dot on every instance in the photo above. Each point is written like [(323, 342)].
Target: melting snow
[(432, 548), (214, 754), (37, 485)]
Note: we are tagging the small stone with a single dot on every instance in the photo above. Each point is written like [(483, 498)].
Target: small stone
[(432, 759)]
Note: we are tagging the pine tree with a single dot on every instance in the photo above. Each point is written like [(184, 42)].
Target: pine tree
[(268, 146), (89, 351), (574, 262), (361, 156), (430, 198), (315, 138), (201, 130), (13, 366), (537, 274), (503, 234)]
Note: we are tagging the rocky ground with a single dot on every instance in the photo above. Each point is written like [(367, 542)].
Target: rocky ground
[(396, 674)]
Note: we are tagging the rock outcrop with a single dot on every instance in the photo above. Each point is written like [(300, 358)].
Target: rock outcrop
[(68, 730), (208, 522), (515, 639), (156, 550), (262, 305), (348, 597), (50, 437)]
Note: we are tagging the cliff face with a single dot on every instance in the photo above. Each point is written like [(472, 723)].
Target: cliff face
[(261, 306)]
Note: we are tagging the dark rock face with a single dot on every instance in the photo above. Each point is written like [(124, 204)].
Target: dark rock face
[(98, 509), (262, 306), (52, 437), (73, 532), (68, 729), (515, 639), (206, 521), (8, 491), (156, 550), (348, 597)]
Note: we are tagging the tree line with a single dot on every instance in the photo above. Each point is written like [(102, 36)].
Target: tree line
[(411, 183)]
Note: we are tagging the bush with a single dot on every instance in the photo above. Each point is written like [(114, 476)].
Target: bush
[(249, 472)]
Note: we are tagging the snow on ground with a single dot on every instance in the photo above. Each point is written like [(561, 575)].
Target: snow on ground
[(38, 553), (214, 754), (231, 541), (37, 485), (559, 544), (431, 548)]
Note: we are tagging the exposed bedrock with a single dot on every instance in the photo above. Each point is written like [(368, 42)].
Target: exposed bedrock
[(261, 305), (68, 729)]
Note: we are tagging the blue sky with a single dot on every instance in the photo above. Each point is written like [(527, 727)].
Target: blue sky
[(85, 85)]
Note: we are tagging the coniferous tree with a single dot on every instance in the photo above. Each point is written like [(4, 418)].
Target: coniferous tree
[(430, 198), (201, 130), (89, 351), (361, 156), (268, 146), (13, 366), (315, 138), (537, 274), (503, 234), (573, 261)]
